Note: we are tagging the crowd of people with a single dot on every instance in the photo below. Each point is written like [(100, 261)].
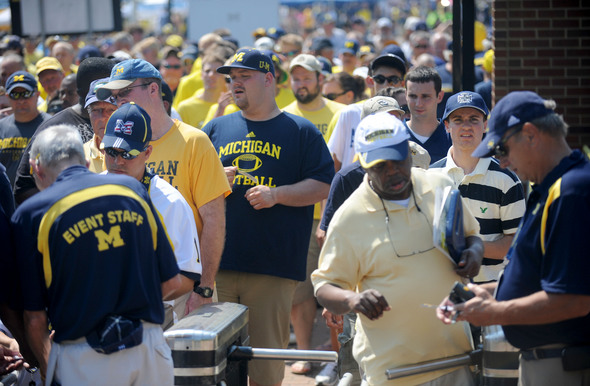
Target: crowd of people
[(143, 178)]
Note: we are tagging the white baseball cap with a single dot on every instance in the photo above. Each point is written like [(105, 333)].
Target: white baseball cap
[(381, 137)]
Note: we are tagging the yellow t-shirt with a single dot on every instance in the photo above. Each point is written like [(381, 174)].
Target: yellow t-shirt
[(321, 119), (285, 97), (194, 110), (186, 159), (189, 84), (231, 108)]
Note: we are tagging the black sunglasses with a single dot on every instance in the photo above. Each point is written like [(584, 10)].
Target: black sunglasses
[(173, 66), (332, 96), (405, 108), (16, 95), (111, 152), (380, 79), (501, 149)]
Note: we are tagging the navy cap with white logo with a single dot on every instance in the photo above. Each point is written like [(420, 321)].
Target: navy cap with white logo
[(129, 128), (465, 99)]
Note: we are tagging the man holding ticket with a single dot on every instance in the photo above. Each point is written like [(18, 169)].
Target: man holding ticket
[(283, 167), (379, 260)]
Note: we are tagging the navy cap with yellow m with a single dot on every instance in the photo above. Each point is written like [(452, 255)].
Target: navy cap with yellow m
[(250, 59)]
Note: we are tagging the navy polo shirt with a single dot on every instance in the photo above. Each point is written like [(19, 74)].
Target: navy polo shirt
[(550, 252), (90, 246)]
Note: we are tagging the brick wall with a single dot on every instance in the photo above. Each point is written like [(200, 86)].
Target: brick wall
[(544, 46)]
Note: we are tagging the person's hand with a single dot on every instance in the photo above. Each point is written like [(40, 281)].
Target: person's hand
[(195, 301), (225, 99), (332, 320), (446, 311), (230, 173), (469, 264), (5, 112), (9, 360), (260, 197), (477, 311), (370, 303), (320, 236)]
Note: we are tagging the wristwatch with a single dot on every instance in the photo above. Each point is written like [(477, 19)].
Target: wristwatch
[(205, 292)]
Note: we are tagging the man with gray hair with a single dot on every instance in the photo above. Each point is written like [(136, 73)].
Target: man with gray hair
[(98, 238)]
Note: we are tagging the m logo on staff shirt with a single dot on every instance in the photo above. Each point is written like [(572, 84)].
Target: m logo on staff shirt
[(124, 127), (106, 240)]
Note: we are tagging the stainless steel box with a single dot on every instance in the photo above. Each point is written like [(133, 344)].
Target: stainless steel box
[(200, 345)]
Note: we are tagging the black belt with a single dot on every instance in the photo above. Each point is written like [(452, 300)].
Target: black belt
[(541, 353)]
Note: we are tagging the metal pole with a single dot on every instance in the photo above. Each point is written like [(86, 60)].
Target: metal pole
[(457, 46), (471, 358), (467, 23)]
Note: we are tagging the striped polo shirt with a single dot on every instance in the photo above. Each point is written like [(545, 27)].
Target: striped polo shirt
[(494, 196)]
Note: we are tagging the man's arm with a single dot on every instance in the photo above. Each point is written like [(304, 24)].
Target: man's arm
[(497, 249), (38, 337), (302, 193), (212, 241), (370, 303), (538, 308), (471, 257), (172, 288)]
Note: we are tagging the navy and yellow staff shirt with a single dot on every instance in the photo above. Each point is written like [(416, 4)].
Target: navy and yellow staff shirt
[(90, 246), (550, 252)]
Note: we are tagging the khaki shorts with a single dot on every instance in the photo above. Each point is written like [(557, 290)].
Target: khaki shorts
[(150, 363), (304, 289), (268, 299)]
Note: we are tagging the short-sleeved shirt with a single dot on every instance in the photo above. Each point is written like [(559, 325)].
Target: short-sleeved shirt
[(346, 181), (24, 180), (193, 110), (14, 138), (185, 158), (495, 197), (365, 251), (281, 151), (100, 250), (550, 252), (437, 144), (343, 126)]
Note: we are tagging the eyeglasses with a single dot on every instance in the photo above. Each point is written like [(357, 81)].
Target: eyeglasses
[(501, 149), (126, 155), (173, 66), (99, 112), (332, 96), (389, 231), (380, 79), (127, 90), (16, 95)]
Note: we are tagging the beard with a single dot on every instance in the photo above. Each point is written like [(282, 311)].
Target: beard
[(309, 97)]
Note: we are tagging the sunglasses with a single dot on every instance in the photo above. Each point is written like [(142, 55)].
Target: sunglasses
[(173, 66), (127, 90), (405, 108), (16, 95), (421, 46), (126, 155), (332, 96), (290, 53), (501, 149), (380, 79)]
